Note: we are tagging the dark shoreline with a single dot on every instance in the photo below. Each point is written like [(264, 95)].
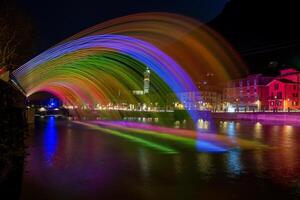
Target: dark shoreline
[(12, 133)]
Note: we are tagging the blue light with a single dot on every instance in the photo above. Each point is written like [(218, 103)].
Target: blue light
[(234, 162), (50, 140), (53, 103), (204, 146)]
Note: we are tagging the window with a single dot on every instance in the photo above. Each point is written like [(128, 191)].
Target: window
[(295, 87), (276, 86), (279, 95)]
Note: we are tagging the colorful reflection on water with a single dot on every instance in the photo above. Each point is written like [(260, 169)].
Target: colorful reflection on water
[(50, 140), (71, 161)]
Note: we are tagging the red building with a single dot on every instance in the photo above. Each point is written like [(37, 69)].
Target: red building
[(284, 91), (248, 94)]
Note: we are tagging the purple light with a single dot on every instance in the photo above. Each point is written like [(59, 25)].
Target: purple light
[(159, 62)]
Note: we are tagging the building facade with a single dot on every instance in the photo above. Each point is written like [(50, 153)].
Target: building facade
[(199, 100), (284, 91), (209, 97), (248, 94)]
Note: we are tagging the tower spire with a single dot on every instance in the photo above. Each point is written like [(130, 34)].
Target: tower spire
[(147, 80)]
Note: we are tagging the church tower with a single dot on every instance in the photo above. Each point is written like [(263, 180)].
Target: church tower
[(146, 81)]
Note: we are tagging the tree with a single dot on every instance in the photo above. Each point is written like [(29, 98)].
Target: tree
[(16, 36)]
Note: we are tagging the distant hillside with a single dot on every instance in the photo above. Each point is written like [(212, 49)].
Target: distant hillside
[(262, 32)]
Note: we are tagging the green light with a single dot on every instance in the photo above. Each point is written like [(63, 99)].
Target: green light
[(162, 148)]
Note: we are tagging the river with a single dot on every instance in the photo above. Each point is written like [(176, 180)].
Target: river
[(69, 161)]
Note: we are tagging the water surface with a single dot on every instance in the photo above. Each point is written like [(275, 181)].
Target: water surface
[(70, 161)]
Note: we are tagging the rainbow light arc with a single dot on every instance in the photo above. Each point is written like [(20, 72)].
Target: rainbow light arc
[(90, 67)]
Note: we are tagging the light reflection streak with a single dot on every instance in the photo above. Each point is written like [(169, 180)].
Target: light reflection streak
[(204, 142), (144, 164), (203, 124), (50, 140), (162, 148), (178, 164), (258, 130), (204, 163), (178, 135), (233, 162), (231, 129)]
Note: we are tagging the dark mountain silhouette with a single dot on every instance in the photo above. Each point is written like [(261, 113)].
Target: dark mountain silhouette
[(262, 31)]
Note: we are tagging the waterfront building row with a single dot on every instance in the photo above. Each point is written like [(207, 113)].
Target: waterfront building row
[(261, 93), (253, 93)]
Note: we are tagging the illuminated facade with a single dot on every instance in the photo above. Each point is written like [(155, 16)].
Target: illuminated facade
[(199, 100), (209, 96), (284, 91), (248, 94)]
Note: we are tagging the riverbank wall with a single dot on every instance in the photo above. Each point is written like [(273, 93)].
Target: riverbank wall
[(180, 115), (283, 117)]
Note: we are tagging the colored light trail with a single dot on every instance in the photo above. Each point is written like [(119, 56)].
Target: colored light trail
[(146, 143), (176, 48), (193, 45), (204, 142), (105, 63)]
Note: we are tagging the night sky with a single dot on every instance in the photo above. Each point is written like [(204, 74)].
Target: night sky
[(57, 19), (261, 31)]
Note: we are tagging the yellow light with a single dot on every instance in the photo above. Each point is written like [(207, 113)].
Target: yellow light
[(42, 109)]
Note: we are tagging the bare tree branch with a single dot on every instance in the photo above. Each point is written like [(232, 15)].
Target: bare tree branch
[(15, 36)]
